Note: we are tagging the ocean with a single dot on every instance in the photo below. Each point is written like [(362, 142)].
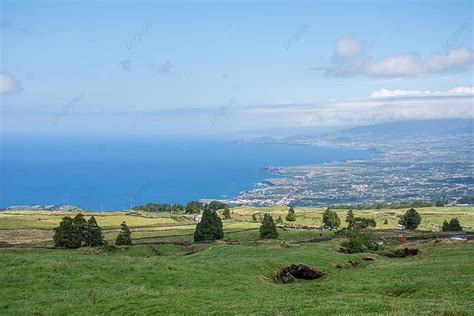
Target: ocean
[(113, 174)]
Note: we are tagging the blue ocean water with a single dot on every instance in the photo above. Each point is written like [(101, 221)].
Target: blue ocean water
[(113, 174)]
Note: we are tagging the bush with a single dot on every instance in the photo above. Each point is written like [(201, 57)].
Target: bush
[(209, 228), (411, 219), (226, 213), (452, 226), (350, 219), (279, 220), (359, 241), (268, 228), (194, 207), (363, 222), (215, 205), (291, 216), (331, 219), (124, 238)]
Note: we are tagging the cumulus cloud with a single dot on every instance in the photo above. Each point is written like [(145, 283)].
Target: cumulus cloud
[(386, 93), (351, 60), (8, 84)]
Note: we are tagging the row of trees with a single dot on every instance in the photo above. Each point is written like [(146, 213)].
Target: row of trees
[(210, 227), (452, 226), (192, 207), (77, 232)]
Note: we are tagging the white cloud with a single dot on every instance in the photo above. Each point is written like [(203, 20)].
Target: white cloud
[(386, 93), (8, 84), (347, 48), (350, 60), (469, 90)]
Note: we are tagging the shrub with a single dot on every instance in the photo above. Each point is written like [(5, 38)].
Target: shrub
[(194, 207), (226, 213), (363, 222), (331, 219), (385, 222), (124, 237), (359, 241), (350, 219), (215, 205), (411, 219), (291, 216), (268, 228), (256, 218), (279, 220), (209, 228)]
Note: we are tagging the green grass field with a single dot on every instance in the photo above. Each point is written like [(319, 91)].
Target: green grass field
[(164, 272)]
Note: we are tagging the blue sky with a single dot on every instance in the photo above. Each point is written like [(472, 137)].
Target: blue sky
[(91, 63)]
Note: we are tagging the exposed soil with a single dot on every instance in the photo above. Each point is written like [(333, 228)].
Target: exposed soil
[(293, 272)]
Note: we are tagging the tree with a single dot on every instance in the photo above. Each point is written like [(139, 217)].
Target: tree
[(80, 227), (124, 237), (256, 218), (215, 205), (194, 207), (363, 222), (452, 226), (94, 237), (268, 228), (350, 219), (411, 219), (209, 228), (65, 234), (279, 220), (291, 216), (226, 213), (331, 219)]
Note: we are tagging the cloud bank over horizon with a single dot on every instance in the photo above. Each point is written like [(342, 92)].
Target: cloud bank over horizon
[(350, 58)]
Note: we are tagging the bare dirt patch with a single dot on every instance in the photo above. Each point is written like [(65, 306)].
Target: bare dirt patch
[(295, 272)]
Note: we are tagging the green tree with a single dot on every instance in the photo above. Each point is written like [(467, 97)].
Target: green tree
[(124, 238), (411, 219), (194, 207), (363, 222), (215, 205), (350, 219), (65, 234), (209, 228), (452, 226), (279, 220), (331, 219), (226, 213), (80, 228), (268, 228), (256, 218), (94, 237), (291, 216), (446, 227)]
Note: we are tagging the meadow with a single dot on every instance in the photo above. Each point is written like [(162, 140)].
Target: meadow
[(165, 272)]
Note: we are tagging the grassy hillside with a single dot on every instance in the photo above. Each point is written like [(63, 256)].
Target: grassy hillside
[(164, 272)]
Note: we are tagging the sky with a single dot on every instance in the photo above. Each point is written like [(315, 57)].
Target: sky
[(138, 67)]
